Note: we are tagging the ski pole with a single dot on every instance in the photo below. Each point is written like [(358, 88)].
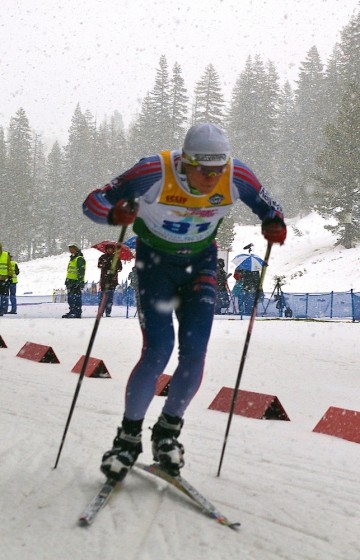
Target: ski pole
[(246, 346), (92, 338)]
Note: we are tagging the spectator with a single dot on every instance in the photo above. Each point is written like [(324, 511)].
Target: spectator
[(108, 278), (222, 297), (5, 278), (13, 284), (133, 285), (75, 281), (238, 291), (250, 281)]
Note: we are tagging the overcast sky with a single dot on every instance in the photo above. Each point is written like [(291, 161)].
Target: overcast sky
[(105, 53)]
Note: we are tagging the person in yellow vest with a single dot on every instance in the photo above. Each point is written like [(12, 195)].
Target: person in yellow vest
[(176, 200), (75, 281), (5, 277), (15, 271)]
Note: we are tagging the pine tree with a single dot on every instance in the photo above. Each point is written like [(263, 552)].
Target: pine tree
[(309, 133), (141, 137), (179, 108), (242, 120), (338, 175), (253, 127), (117, 146), (80, 173), (109, 150), (209, 100), (161, 108), (286, 148), (343, 68), (40, 214), (56, 185), (333, 88), (3, 183), (350, 51), (20, 201), (252, 118), (268, 110)]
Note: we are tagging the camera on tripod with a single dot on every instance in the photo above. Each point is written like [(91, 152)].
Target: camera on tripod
[(248, 247), (280, 300)]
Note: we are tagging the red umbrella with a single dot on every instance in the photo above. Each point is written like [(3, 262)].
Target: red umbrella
[(125, 253)]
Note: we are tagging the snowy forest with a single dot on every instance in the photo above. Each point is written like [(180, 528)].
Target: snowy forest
[(302, 142)]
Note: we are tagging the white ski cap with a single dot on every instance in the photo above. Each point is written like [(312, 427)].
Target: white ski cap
[(206, 144)]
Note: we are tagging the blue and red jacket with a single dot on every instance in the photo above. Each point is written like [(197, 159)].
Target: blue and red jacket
[(172, 217)]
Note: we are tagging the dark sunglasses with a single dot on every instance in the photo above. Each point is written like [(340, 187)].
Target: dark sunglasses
[(211, 171)]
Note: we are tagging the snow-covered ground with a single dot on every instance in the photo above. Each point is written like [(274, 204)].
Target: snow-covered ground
[(294, 491)]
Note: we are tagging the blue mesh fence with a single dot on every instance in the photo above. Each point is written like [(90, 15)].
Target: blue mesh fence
[(331, 305), (125, 298), (300, 306)]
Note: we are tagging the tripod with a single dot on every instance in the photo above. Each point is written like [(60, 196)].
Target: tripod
[(278, 296)]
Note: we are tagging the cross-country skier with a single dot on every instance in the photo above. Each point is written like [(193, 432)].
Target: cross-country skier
[(176, 201)]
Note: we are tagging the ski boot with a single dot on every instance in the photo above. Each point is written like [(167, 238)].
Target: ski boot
[(117, 462), (165, 446)]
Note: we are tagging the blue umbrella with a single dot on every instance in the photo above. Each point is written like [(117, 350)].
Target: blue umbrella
[(248, 262), (131, 242)]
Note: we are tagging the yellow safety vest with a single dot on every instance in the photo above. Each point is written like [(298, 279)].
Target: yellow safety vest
[(4, 265), (72, 269), (14, 275)]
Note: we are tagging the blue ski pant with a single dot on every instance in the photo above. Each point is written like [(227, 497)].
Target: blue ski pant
[(172, 287), (75, 300)]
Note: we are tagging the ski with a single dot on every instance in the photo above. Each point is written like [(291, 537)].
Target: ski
[(98, 502), (101, 498), (190, 491)]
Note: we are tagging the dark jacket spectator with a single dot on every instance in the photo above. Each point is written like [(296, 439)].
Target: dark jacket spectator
[(107, 280), (108, 277), (222, 299)]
